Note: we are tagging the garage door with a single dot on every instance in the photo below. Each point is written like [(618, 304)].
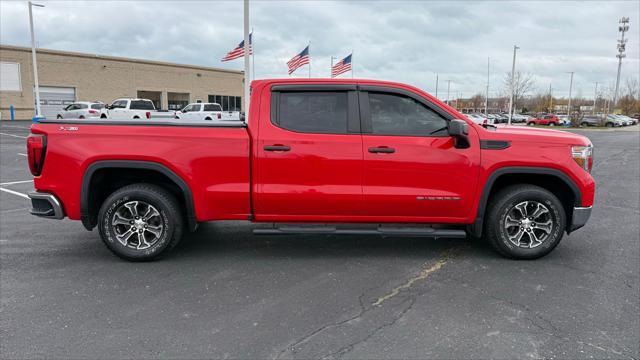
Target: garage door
[(54, 99)]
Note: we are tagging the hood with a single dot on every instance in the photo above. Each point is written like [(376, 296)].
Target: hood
[(536, 135)]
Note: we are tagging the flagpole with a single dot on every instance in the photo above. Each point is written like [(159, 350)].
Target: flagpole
[(352, 65), (253, 57), (247, 70), (331, 68), (309, 54)]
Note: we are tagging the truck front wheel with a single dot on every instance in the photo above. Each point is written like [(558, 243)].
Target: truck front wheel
[(525, 222), (140, 222)]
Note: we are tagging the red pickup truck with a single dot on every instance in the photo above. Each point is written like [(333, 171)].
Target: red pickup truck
[(316, 156), (544, 119)]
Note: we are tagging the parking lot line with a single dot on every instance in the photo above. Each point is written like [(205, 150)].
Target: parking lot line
[(14, 193), (15, 182), (15, 127), (16, 136)]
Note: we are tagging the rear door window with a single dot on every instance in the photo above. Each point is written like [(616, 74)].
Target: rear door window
[(313, 112), (212, 107), (97, 106), (141, 105)]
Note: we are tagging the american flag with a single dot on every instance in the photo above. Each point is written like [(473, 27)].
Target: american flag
[(238, 52), (341, 66), (298, 60)]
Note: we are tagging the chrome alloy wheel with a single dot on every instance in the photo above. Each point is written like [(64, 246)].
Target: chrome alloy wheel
[(529, 218), (140, 219)]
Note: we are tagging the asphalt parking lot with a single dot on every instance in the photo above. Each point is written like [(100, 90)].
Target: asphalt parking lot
[(224, 293)]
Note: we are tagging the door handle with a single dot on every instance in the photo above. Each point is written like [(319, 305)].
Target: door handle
[(276, 147), (382, 150)]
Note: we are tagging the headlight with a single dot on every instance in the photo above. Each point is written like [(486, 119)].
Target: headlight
[(583, 156)]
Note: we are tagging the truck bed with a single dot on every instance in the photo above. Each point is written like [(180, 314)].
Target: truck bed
[(211, 158)]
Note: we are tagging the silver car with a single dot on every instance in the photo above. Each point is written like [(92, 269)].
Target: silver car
[(81, 110)]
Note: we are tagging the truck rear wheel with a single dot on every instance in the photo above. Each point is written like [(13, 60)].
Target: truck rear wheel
[(525, 222), (140, 222)]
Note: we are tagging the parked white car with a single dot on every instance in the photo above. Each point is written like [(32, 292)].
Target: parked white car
[(519, 118), (564, 120), (81, 110), (126, 109), (477, 118), (207, 111)]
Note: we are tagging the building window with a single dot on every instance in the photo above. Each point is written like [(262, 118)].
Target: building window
[(10, 77), (228, 103)]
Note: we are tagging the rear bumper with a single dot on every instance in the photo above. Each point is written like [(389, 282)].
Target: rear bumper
[(580, 217), (45, 205)]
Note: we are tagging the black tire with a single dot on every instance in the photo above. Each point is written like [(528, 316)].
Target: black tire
[(136, 117), (207, 118), (609, 124), (503, 204), (531, 124), (103, 116), (81, 117), (169, 217), (584, 124)]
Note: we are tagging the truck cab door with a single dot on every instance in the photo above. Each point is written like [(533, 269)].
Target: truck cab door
[(117, 110), (309, 154), (412, 170)]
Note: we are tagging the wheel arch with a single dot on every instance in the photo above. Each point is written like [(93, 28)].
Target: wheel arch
[(554, 180), (89, 195)]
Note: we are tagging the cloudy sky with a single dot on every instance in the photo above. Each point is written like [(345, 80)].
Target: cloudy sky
[(401, 41)]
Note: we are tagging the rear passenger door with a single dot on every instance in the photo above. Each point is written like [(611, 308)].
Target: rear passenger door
[(309, 155)]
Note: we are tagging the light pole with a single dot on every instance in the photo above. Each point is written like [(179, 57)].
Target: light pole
[(247, 68), (33, 58), (595, 97), (624, 27), (486, 99), (570, 87), (448, 90), (513, 70), (550, 99), (436, 86)]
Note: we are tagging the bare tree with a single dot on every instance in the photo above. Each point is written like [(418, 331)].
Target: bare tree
[(522, 84), (477, 101), (629, 102)]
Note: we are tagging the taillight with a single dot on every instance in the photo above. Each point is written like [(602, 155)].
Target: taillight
[(36, 149), (148, 113), (583, 156), (93, 112), (219, 116)]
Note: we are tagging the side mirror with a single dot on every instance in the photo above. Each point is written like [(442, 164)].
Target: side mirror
[(459, 130)]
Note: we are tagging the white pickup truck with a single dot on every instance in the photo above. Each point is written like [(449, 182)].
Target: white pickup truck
[(126, 109), (207, 111)]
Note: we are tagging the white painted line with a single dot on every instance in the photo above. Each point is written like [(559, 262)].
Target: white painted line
[(14, 193), (15, 127), (16, 136), (16, 182), (21, 154)]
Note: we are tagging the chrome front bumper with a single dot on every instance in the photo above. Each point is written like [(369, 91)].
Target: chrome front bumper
[(45, 205), (580, 217)]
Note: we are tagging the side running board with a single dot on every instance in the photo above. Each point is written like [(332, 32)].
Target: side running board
[(380, 230)]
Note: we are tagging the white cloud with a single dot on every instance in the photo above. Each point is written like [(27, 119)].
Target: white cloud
[(402, 41)]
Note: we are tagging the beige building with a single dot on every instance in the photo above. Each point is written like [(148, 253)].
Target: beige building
[(65, 77)]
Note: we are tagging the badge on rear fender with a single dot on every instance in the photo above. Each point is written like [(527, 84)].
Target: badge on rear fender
[(68, 128)]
